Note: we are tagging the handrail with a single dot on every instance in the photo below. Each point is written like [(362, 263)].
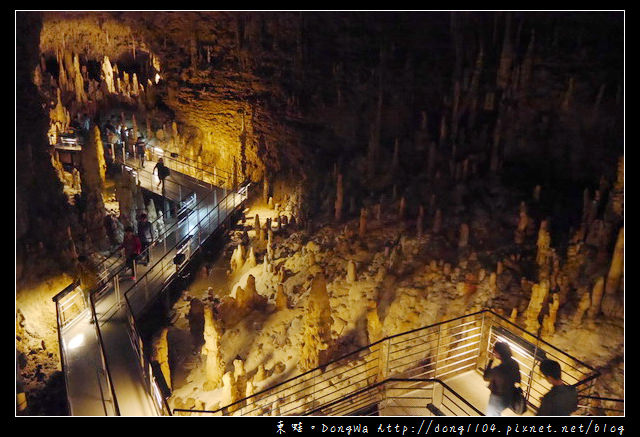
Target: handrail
[(129, 307), (104, 355), (460, 350)]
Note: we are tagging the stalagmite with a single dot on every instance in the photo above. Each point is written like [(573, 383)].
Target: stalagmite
[(493, 282), (523, 222), (215, 365), (362, 230), (374, 327), (616, 269), (583, 306), (596, 298), (237, 258), (351, 271), (514, 315), (160, 353), (339, 198), (230, 391), (539, 294), (93, 179), (251, 259), (281, 300), (543, 244), (616, 196), (317, 326), (549, 321)]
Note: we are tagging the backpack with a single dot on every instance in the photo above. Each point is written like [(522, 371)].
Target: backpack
[(518, 402), (163, 172)]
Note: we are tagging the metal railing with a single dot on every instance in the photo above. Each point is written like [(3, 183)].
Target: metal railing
[(401, 397), (212, 175), (156, 385), (184, 236), (434, 352)]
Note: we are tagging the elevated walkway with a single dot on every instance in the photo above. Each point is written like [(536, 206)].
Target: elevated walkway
[(107, 371)]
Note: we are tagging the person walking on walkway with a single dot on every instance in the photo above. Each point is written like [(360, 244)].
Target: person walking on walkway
[(145, 233), (140, 150), (562, 399), (502, 379), (163, 172), (131, 246)]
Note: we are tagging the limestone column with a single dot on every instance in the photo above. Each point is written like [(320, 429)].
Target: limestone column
[(93, 176), (215, 365)]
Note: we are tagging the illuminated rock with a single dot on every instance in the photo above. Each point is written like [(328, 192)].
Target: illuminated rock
[(230, 392), (374, 327), (583, 306), (539, 294), (281, 300), (549, 321), (215, 365), (351, 271), (544, 246), (93, 177), (317, 326), (596, 298), (237, 258), (616, 268), (251, 259)]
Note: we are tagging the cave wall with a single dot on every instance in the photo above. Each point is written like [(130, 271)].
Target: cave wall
[(42, 212), (536, 96)]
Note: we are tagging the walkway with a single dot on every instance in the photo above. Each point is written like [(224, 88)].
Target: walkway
[(89, 368)]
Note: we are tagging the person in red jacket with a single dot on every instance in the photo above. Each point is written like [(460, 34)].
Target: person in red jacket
[(132, 247)]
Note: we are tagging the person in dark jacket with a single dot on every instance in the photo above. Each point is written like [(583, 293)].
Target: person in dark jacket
[(163, 172), (132, 246), (502, 379), (145, 233), (562, 399)]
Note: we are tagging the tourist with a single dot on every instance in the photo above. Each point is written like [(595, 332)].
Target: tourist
[(140, 150), (163, 172), (145, 233), (502, 379), (562, 399), (132, 246)]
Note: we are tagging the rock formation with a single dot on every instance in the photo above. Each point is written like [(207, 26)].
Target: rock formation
[(317, 326), (215, 365)]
